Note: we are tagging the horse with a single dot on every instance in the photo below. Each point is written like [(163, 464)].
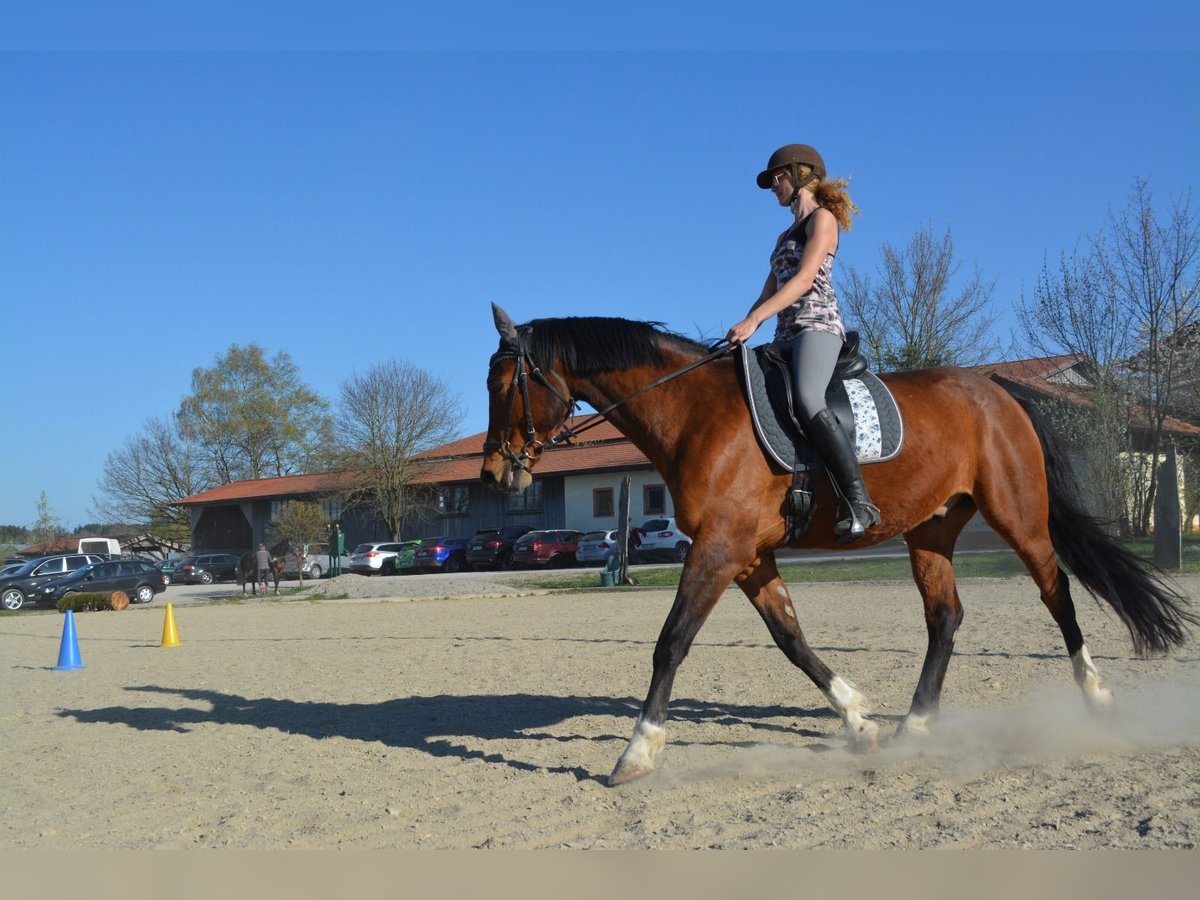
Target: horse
[(248, 571), (969, 446)]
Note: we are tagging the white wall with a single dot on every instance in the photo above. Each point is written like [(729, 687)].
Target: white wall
[(578, 498)]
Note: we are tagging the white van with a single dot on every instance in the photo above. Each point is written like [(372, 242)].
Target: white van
[(102, 546)]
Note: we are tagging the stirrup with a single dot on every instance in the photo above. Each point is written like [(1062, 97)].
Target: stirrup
[(861, 517)]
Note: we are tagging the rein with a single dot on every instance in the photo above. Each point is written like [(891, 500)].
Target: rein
[(534, 448)]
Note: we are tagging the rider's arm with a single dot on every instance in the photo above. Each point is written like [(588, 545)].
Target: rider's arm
[(821, 242)]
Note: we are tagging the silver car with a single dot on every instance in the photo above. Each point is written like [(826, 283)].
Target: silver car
[(597, 547)]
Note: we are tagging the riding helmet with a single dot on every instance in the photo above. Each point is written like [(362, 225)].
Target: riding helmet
[(789, 157)]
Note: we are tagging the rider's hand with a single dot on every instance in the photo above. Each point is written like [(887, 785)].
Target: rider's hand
[(742, 331)]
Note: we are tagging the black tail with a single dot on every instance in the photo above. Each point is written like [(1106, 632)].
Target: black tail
[(1156, 615)]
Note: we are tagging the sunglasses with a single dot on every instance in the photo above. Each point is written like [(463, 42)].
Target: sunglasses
[(778, 177)]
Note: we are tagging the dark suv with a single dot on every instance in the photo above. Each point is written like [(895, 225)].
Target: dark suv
[(139, 580), (491, 548), (546, 548), (24, 584), (206, 569)]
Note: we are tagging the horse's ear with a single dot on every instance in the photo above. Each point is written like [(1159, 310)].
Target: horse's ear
[(504, 325)]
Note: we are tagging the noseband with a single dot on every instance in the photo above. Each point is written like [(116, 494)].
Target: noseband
[(525, 369)]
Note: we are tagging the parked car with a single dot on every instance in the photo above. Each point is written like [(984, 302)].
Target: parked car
[(662, 539), (168, 567), (206, 568), (23, 585), (140, 580), (405, 562), (491, 548), (546, 548), (597, 547), (376, 557), (441, 554), (8, 568)]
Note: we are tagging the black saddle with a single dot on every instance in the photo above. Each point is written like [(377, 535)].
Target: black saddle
[(859, 401)]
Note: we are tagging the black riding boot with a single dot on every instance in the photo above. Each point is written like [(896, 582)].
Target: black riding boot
[(841, 460)]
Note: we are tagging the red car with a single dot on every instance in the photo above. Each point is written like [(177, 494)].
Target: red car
[(546, 548)]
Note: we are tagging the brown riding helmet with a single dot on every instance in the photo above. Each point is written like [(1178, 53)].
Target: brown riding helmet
[(789, 157)]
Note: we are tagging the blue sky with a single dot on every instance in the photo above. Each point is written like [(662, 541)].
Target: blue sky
[(189, 188)]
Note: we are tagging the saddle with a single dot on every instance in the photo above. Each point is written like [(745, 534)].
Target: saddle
[(859, 401)]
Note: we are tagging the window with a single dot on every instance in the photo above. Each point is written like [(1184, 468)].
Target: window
[(331, 508), (277, 508), (602, 503), (453, 500), (654, 500), (528, 500)]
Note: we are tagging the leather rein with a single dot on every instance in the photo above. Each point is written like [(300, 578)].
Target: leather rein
[(527, 368)]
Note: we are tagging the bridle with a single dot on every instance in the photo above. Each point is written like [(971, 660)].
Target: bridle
[(522, 372), (532, 450)]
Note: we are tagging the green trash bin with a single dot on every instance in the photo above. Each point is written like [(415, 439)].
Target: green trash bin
[(608, 579)]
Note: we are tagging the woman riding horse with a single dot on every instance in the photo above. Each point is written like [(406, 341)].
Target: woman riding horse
[(968, 446)]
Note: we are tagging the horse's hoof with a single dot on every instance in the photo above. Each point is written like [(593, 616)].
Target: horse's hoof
[(1099, 701), (914, 725), (864, 736), (627, 772)]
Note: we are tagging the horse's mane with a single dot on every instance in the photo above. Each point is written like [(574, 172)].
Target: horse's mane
[(587, 345)]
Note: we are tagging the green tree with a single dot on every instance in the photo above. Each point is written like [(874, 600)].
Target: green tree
[(387, 418), (299, 525), (250, 417), (916, 311), (48, 527)]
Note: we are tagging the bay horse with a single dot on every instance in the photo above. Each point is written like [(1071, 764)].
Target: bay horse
[(248, 571), (968, 446)]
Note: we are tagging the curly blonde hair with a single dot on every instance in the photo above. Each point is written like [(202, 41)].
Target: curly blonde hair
[(834, 197)]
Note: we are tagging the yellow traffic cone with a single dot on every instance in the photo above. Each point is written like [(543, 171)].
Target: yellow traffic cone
[(170, 632)]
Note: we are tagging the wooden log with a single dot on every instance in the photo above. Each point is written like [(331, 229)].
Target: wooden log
[(118, 601)]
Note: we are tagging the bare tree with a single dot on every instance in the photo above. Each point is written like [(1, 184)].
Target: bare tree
[(1154, 267), (916, 312), (142, 478), (1121, 302), (388, 416)]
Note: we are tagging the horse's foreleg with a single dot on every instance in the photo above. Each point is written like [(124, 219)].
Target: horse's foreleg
[(769, 595), (931, 551), (700, 587)]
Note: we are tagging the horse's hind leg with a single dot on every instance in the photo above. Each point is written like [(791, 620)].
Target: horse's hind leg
[(931, 552), (1025, 528), (766, 590)]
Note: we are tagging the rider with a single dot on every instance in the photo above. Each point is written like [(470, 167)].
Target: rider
[(798, 290)]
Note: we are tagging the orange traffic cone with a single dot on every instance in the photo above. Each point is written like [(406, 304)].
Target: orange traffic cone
[(170, 632)]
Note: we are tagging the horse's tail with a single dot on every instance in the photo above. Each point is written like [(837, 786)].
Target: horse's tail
[(1156, 615)]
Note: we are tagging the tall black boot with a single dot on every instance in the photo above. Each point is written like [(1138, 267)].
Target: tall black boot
[(841, 460)]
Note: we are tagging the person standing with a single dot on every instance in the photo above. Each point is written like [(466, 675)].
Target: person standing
[(799, 293), (263, 562)]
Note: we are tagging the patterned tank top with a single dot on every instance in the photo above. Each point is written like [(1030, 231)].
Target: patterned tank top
[(818, 309)]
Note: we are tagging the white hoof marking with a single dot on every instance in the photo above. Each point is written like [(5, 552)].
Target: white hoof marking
[(1088, 679)]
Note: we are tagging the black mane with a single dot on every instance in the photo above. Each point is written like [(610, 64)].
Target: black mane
[(587, 345)]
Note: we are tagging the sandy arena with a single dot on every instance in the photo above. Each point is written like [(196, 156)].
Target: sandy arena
[(433, 719)]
